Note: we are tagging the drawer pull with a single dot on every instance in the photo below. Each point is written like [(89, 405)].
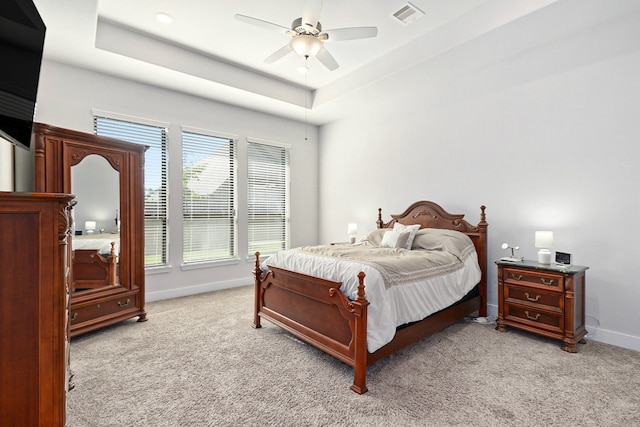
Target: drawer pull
[(518, 277), (531, 299), (547, 282), (537, 316), (123, 305), (74, 316)]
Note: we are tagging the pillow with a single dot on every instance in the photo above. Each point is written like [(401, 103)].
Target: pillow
[(451, 241), (429, 239), (412, 229), (395, 239), (374, 238)]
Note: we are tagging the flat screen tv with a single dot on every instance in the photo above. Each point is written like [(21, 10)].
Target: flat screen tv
[(21, 44)]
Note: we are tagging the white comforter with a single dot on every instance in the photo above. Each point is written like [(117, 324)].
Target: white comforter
[(101, 242), (392, 306)]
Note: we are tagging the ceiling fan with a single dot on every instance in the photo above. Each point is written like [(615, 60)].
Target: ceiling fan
[(307, 36)]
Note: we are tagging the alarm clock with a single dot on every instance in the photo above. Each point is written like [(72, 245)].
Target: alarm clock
[(563, 258)]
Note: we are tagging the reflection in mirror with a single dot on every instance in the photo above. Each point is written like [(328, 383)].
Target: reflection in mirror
[(96, 221)]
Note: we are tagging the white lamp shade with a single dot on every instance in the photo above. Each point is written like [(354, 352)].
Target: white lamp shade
[(544, 239), (352, 230), (305, 45), (89, 225)]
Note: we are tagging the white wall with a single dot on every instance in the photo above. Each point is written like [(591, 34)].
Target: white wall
[(6, 165), (539, 121), (66, 97)]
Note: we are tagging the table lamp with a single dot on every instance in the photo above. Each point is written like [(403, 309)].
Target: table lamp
[(544, 241), (90, 227), (352, 230)]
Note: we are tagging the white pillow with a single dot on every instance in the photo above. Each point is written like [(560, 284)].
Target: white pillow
[(374, 238), (412, 229), (395, 239)]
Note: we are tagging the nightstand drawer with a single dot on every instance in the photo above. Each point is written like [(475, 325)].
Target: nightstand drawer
[(529, 277), (534, 297), (537, 318)]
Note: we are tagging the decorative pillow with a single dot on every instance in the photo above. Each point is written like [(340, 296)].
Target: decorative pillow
[(412, 229), (395, 239)]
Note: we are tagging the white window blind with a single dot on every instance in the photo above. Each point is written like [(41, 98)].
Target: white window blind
[(155, 181), (208, 198), (268, 198)]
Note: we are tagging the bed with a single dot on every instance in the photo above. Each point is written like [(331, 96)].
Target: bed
[(317, 310), (100, 241)]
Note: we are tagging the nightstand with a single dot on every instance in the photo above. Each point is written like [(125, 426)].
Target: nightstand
[(544, 299)]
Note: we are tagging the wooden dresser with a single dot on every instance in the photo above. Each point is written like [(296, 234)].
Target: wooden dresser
[(543, 299), (59, 154), (34, 299)]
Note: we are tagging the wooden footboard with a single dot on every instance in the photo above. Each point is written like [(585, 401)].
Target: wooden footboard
[(90, 270), (316, 311)]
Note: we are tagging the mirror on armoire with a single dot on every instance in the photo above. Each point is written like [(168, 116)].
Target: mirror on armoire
[(96, 224)]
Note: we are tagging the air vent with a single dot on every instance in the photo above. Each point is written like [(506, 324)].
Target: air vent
[(408, 13)]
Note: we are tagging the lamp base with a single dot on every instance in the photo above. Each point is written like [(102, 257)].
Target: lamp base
[(352, 239), (544, 256)]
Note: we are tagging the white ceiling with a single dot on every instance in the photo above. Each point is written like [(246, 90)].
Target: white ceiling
[(206, 52)]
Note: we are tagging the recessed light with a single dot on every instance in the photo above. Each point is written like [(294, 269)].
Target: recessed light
[(164, 18)]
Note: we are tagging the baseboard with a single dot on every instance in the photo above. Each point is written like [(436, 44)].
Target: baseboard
[(614, 338), (198, 289)]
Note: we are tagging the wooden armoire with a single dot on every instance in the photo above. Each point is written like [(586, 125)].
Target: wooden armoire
[(34, 299), (98, 301)]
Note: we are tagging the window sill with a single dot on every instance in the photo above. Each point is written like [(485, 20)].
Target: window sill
[(157, 270), (208, 264)]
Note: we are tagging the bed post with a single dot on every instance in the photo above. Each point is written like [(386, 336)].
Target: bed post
[(482, 257), (112, 278), (360, 339), (258, 292)]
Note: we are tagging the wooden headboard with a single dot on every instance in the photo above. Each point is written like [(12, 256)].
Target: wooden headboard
[(431, 215)]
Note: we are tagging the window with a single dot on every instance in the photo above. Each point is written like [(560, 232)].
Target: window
[(268, 197), (208, 198), (155, 180)]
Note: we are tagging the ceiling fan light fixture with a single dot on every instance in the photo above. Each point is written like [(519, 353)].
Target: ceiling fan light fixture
[(305, 45), (164, 18)]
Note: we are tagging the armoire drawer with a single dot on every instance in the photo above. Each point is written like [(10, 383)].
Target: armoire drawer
[(112, 306)]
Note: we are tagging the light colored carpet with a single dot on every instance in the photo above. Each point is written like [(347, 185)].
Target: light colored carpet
[(198, 362)]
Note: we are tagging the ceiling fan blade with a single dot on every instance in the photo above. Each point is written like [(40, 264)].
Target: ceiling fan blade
[(351, 33), (265, 24), (326, 59), (280, 53), (311, 12)]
